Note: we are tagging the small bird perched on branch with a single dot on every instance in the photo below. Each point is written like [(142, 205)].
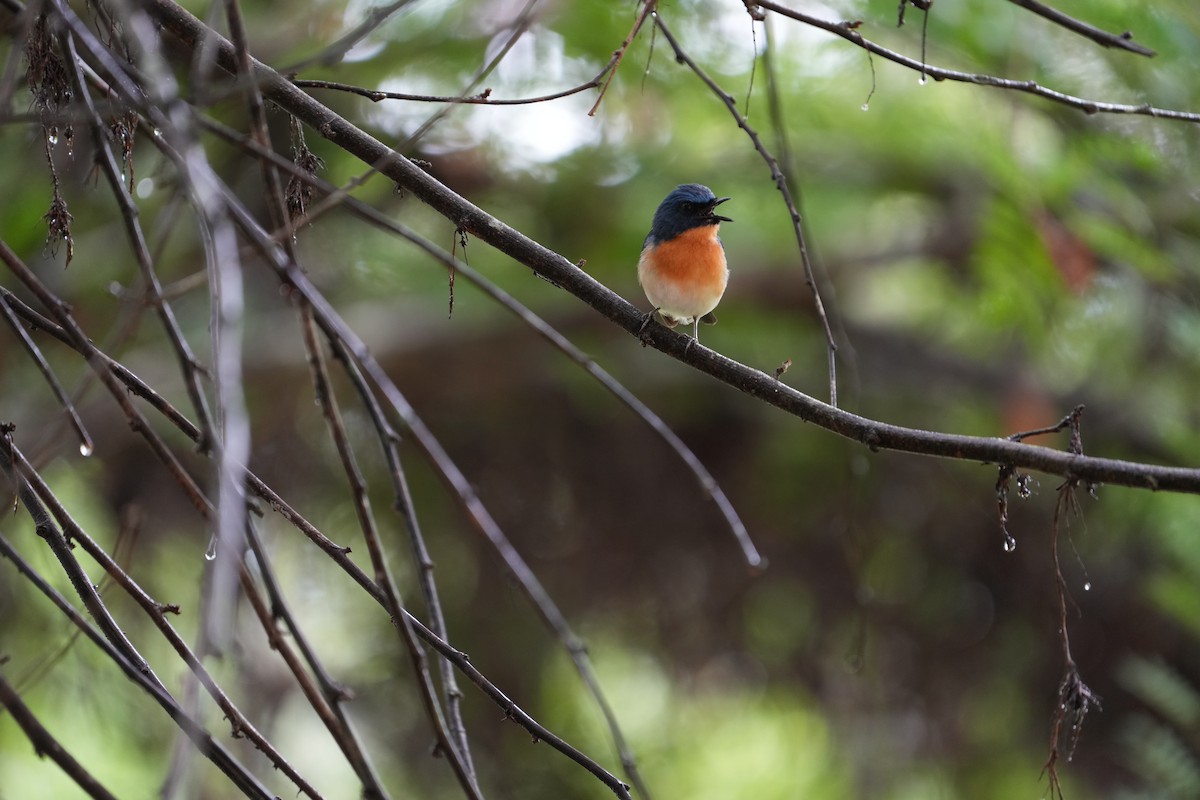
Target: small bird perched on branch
[(682, 268)]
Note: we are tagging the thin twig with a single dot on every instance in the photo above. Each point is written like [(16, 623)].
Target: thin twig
[(787, 164), (85, 440), (328, 704), (405, 506), (334, 327), (648, 7), (122, 373), (484, 98), (331, 411), (233, 452), (240, 724), (44, 743), (20, 476), (1069, 421), (578, 653), (520, 26), (105, 370), (107, 161), (231, 438), (456, 657), (212, 749), (1103, 38), (335, 52), (1075, 698), (849, 32), (33, 493), (452, 736)]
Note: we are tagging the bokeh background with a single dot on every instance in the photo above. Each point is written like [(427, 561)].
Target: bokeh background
[(989, 260)]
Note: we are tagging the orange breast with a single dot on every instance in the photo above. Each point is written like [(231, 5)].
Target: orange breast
[(695, 258)]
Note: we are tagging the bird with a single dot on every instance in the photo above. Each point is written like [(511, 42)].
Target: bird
[(682, 268)]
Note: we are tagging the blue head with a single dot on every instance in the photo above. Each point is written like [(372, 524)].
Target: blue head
[(688, 206)]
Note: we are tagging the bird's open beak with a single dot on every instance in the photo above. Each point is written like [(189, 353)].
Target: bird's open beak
[(712, 211)]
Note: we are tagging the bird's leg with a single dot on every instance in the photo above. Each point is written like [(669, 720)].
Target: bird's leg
[(646, 321), (694, 339)]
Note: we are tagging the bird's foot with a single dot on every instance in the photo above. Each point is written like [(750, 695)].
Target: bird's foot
[(642, 328), (646, 320)]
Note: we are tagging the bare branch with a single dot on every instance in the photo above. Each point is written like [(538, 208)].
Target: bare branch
[(849, 32), (85, 439), (133, 669), (405, 506), (648, 8), (328, 699), (484, 98), (1124, 41), (331, 410), (44, 744), (148, 88), (189, 366), (750, 553), (459, 659), (241, 725), (520, 25), (335, 52), (106, 371)]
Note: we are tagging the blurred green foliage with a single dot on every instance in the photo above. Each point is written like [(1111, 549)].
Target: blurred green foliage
[(989, 259)]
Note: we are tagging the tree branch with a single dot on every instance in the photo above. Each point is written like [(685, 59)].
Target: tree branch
[(849, 32), (133, 669), (484, 98), (1123, 41), (44, 744), (453, 748)]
